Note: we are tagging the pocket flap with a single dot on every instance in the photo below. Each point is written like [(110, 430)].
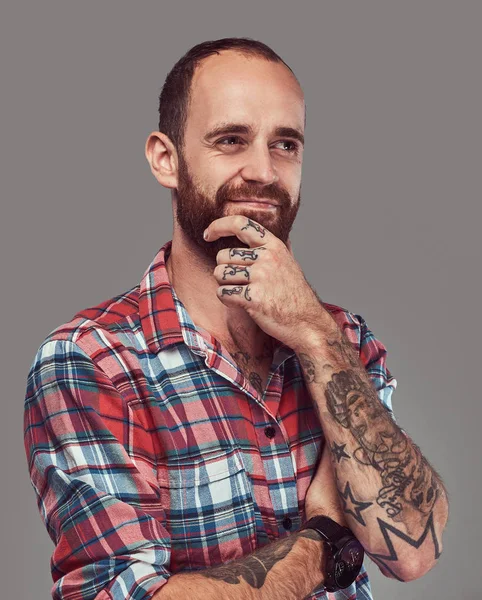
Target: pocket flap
[(194, 471)]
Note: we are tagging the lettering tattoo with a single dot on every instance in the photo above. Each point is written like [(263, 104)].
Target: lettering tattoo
[(256, 226), (241, 357), (405, 474), (245, 358), (251, 364), (233, 291), (232, 270), (237, 291), (255, 567), (245, 254)]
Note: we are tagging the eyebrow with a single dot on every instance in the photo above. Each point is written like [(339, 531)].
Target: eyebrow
[(245, 129)]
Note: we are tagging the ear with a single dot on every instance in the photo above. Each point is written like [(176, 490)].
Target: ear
[(162, 158)]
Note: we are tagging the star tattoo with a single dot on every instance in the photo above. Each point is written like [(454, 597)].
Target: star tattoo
[(352, 506), (339, 451), (387, 529)]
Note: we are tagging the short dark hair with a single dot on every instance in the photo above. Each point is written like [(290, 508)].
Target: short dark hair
[(175, 94)]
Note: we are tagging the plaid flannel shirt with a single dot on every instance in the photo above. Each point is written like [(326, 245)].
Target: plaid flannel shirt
[(150, 453)]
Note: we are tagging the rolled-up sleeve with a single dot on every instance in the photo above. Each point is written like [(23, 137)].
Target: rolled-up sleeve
[(97, 498), (374, 356)]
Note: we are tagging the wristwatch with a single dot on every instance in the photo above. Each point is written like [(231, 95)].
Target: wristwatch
[(343, 552)]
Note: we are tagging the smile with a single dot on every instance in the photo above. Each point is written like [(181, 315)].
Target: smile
[(253, 204)]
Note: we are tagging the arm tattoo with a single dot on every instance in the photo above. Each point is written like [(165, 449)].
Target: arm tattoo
[(406, 475), (344, 348), (352, 506), (392, 556), (308, 367), (255, 567), (339, 452)]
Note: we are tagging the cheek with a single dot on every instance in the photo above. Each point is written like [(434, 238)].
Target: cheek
[(219, 170)]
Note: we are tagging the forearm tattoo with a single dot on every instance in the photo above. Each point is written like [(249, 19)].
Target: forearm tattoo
[(351, 505), (407, 479), (406, 476), (255, 567), (389, 532)]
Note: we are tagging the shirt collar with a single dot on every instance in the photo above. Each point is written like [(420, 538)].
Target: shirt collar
[(159, 320)]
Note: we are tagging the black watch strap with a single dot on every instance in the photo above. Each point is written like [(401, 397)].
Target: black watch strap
[(331, 531), (343, 555)]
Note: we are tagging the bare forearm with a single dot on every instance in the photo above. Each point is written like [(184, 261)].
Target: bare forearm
[(394, 501), (288, 569)]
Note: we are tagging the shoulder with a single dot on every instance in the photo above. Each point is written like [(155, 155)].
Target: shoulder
[(109, 315), (90, 331)]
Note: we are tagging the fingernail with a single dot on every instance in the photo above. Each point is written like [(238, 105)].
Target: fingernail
[(205, 234)]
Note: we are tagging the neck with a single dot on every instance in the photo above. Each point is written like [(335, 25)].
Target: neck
[(191, 275)]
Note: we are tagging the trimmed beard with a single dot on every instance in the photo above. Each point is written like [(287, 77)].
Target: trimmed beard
[(196, 211)]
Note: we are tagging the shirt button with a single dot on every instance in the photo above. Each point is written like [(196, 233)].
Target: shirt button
[(287, 523), (269, 431)]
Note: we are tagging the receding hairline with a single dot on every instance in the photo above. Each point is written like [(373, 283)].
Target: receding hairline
[(247, 54)]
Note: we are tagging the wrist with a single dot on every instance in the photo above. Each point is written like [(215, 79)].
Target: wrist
[(313, 338), (343, 554)]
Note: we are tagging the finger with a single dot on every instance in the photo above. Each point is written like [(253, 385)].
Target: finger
[(247, 230), (239, 256), (232, 274), (233, 295)]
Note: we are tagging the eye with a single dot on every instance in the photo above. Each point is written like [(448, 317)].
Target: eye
[(294, 149), (230, 138)]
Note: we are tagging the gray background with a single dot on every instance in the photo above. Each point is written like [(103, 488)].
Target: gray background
[(388, 227)]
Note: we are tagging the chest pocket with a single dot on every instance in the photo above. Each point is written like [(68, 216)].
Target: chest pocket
[(209, 509)]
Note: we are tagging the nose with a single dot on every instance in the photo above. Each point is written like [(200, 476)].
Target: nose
[(259, 165)]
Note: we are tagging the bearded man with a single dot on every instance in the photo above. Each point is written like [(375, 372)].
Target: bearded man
[(218, 431)]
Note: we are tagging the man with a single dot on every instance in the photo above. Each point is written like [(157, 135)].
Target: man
[(193, 437)]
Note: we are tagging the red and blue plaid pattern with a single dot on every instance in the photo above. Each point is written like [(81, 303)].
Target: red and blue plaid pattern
[(149, 451)]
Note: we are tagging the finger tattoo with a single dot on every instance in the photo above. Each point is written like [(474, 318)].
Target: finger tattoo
[(256, 226), (235, 290), (245, 254), (233, 269)]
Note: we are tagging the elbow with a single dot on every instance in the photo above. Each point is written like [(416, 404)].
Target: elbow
[(409, 570), (417, 570), (415, 565)]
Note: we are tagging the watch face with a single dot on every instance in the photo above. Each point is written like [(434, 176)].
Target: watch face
[(348, 563)]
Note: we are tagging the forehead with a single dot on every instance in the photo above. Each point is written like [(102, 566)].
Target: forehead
[(231, 87)]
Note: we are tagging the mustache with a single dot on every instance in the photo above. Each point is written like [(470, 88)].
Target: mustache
[(270, 192)]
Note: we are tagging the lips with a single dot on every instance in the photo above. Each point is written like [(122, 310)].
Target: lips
[(256, 201)]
